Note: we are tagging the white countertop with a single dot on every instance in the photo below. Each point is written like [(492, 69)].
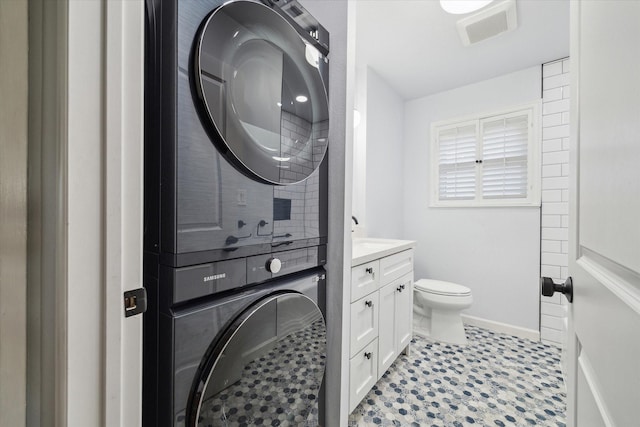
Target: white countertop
[(366, 249)]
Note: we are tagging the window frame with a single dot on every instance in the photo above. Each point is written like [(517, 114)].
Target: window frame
[(533, 159)]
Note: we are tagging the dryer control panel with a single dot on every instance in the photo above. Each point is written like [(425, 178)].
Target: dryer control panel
[(188, 283)]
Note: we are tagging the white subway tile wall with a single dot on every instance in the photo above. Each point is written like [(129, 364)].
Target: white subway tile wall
[(555, 193)]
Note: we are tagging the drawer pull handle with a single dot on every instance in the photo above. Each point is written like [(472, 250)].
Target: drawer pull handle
[(367, 355), (369, 270), (368, 303)]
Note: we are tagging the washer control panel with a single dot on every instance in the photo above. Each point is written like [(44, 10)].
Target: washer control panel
[(264, 267)]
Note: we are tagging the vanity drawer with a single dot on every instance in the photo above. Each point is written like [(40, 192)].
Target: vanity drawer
[(364, 322), (365, 279), (363, 373), (395, 266)]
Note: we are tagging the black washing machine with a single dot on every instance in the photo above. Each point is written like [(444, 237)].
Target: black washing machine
[(235, 218)]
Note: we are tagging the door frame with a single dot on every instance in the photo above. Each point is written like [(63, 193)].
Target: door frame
[(86, 145)]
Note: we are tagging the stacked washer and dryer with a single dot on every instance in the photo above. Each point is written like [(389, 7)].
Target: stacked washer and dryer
[(236, 131)]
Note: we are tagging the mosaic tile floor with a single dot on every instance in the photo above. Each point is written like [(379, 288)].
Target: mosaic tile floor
[(496, 380)]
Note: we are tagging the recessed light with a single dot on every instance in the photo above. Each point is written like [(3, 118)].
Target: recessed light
[(301, 98)]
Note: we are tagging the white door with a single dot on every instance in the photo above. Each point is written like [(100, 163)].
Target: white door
[(604, 329)]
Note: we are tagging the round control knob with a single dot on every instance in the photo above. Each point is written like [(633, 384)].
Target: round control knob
[(274, 265)]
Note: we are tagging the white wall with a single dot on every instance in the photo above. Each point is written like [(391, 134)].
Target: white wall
[(359, 182), (494, 251), (13, 211), (384, 159)]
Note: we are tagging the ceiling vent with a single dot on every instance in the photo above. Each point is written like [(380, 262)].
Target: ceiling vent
[(489, 22)]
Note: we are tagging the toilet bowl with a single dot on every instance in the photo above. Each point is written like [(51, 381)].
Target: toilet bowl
[(436, 310)]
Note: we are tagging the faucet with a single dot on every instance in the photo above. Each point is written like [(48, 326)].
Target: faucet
[(354, 219)]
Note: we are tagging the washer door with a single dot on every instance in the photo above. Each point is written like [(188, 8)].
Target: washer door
[(262, 88), (266, 368)]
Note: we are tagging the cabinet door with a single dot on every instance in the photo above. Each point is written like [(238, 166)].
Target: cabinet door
[(404, 312), (364, 279), (395, 266), (363, 373), (387, 328), (364, 322)]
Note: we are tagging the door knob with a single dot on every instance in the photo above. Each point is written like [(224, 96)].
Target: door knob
[(549, 288)]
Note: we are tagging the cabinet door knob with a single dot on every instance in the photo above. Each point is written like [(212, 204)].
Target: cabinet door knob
[(369, 270), (367, 355), (399, 289), (402, 287), (368, 303)]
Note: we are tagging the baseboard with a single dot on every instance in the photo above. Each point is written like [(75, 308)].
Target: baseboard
[(504, 328)]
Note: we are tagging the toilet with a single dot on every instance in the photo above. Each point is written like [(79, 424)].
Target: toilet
[(436, 310)]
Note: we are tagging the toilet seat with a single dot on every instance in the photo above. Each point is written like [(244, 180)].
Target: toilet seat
[(439, 287)]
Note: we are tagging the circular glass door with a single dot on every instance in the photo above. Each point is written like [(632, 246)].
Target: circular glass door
[(263, 88), (265, 369)]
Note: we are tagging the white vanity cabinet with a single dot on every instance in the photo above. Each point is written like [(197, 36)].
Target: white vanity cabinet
[(381, 318)]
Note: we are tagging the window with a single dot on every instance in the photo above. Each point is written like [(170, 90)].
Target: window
[(490, 160)]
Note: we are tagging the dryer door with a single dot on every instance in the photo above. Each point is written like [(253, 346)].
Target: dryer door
[(266, 368), (262, 89)]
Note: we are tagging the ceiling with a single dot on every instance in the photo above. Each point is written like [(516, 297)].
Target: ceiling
[(415, 47)]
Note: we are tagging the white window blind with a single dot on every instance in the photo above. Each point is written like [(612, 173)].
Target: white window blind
[(505, 146), (486, 161), (457, 162)]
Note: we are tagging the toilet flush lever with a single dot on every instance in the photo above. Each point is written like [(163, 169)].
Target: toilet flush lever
[(549, 287)]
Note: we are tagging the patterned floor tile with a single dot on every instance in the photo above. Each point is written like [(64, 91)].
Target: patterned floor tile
[(496, 380)]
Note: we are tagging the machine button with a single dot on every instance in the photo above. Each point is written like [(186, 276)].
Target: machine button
[(274, 265)]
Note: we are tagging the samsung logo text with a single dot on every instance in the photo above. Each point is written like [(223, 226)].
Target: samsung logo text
[(215, 277)]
